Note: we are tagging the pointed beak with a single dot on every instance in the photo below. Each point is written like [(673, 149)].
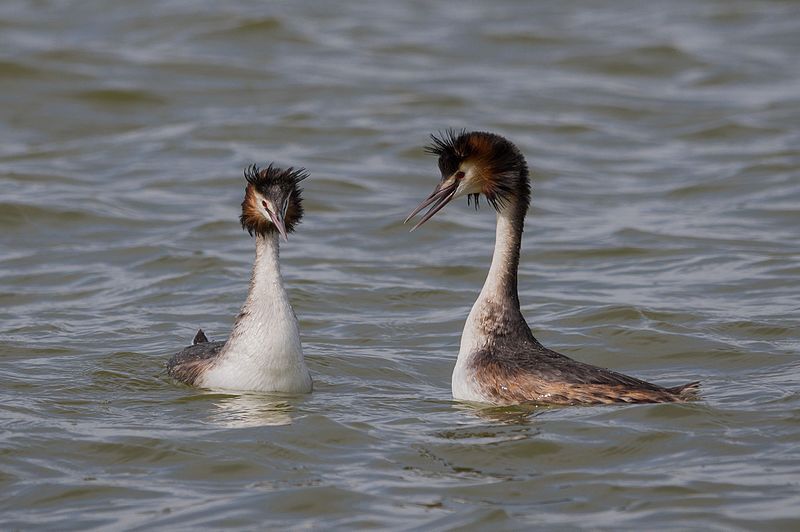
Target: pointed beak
[(441, 196), (277, 220)]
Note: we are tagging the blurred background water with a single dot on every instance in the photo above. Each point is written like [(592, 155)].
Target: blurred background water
[(663, 242)]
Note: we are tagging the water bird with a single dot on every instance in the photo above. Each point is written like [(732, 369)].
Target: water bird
[(499, 360), (263, 352)]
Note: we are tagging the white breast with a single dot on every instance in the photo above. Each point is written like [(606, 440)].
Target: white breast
[(263, 352), (464, 383)]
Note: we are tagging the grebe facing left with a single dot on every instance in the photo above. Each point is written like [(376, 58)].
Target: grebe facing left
[(263, 352), (500, 362)]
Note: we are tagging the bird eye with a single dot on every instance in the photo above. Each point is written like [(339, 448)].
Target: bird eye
[(459, 175), (264, 204)]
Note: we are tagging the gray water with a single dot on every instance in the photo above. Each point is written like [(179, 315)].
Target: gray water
[(663, 242)]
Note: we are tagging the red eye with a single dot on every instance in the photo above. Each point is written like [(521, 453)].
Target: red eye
[(459, 175), (263, 203)]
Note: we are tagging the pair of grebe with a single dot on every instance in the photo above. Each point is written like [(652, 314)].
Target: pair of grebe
[(499, 361)]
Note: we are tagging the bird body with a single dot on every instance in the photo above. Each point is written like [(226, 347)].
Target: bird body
[(500, 361), (263, 352)]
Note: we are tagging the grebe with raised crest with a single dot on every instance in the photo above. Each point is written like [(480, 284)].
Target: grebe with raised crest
[(263, 352), (499, 361)]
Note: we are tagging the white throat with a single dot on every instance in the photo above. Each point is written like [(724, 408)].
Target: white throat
[(474, 337), (263, 352), (504, 247)]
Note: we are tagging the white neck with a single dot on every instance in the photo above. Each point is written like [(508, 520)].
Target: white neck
[(498, 297), (505, 259), (263, 352), (500, 287)]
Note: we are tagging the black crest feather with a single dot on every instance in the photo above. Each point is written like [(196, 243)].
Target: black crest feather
[(446, 141), (251, 173), (272, 175)]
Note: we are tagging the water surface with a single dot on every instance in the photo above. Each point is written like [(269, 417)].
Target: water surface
[(662, 242)]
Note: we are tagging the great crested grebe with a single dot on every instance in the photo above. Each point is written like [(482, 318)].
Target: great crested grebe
[(263, 352), (500, 362)]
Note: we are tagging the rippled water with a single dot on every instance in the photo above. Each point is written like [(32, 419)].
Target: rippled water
[(663, 242)]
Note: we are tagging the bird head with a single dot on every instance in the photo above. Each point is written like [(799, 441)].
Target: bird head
[(473, 164), (272, 200)]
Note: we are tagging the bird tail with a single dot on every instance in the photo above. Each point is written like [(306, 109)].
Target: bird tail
[(687, 391), (200, 337)]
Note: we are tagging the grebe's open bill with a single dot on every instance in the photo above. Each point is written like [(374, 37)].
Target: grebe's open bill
[(440, 197)]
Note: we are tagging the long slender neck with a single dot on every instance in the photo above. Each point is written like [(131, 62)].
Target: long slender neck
[(266, 278), (501, 281), (495, 317), (266, 326)]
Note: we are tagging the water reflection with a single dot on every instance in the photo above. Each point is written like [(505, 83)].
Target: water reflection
[(504, 415), (251, 410)]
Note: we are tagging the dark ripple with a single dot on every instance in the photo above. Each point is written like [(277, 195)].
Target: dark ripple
[(120, 97), (645, 61)]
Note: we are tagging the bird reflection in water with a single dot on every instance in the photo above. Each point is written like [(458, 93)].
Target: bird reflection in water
[(251, 410)]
